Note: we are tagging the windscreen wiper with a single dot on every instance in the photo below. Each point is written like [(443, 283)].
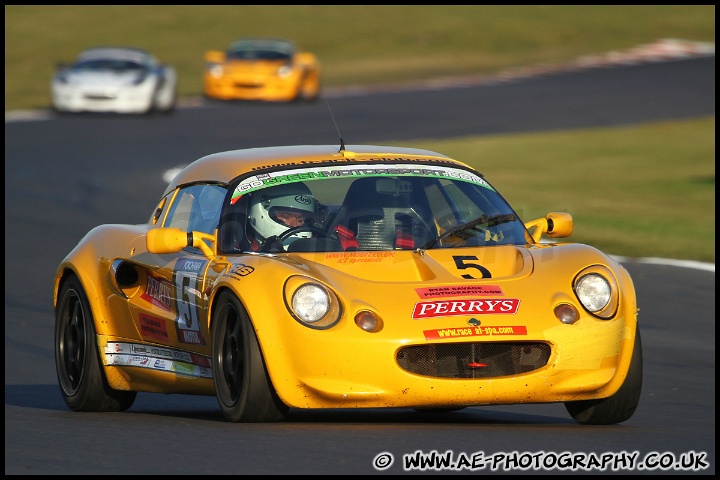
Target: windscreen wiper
[(483, 219)]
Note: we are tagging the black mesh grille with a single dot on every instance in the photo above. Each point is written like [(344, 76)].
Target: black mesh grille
[(473, 360)]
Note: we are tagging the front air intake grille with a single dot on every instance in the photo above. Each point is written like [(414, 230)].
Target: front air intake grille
[(243, 85), (473, 360)]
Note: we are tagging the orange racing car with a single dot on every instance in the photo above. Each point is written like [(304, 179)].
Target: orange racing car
[(355, 277)]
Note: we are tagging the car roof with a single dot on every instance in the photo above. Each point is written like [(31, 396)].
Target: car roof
[(120, 53), (223, 167), (279, 44)]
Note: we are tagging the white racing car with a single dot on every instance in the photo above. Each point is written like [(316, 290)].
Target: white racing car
[(116, 80)]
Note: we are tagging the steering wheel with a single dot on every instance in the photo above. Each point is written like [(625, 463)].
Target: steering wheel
[(302, 228)]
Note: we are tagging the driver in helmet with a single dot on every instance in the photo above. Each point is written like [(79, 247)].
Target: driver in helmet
[(275, 210)]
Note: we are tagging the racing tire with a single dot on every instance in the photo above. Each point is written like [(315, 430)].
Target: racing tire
[(77, 356), (242, 385), (618, 407), (58, 111), (165, 109)]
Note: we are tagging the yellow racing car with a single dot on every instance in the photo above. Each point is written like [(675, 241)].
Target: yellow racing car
[(312, 277), (264, 69)]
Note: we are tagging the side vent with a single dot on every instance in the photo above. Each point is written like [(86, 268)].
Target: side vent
[(123, 275)]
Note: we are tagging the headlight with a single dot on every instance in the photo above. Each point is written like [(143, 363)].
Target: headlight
[(311, 303), (215, 70), (593, 291), (597, 291), (140, 79), (284, 71)]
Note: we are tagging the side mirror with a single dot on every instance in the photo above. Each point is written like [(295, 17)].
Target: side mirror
[(214, 56), (173, 240), (555, 225), (166, 240)]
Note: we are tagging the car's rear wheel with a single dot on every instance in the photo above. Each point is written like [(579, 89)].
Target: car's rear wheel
[(77, 359), (618, 407), (242, 385)]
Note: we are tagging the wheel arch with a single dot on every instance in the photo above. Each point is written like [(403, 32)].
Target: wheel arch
[(212, 307), (67, 270), (262, 402), (270, 352)]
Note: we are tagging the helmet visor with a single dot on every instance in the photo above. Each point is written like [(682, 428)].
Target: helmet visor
[(290, 217)]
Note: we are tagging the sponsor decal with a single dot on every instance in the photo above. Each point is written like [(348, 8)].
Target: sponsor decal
[(360, 257), (304, 199), (190, 265), (241, 270), (153, 327), (354, 160), (188, 277), (189, 336), (461, 332), (158, 358), (200, 360), (139, 349), (475, 306), (140, 361), (182, 356), (161, 364), (158, 292), (113, 359), (161, 352), (182, 367), (459, 290), (437, 170), (129, 360)]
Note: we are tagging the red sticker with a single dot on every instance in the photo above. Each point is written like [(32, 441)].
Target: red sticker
[(153, 327), (158, 292), (459, 290), (475, 306), (473, 332)]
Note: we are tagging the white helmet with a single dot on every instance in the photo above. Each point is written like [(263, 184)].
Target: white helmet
[(295, 197)]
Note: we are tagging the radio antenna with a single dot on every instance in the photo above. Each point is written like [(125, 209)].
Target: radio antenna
[(322, 92)]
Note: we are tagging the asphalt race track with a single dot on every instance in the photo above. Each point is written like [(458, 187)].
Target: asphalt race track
[(67, 174)]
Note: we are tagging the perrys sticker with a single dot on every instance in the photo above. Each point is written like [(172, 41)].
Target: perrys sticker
[(475, 306), (159, 292)]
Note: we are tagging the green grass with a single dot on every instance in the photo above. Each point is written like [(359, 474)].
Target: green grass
[(647, 190), (641, 191), (355, 44)]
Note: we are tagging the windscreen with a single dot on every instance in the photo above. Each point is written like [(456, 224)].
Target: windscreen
[(367, 208)]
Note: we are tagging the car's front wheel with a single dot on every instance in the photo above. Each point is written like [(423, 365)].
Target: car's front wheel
[(309, 89), (618, 407), (242, 384), (77, 359), (164, 102)]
